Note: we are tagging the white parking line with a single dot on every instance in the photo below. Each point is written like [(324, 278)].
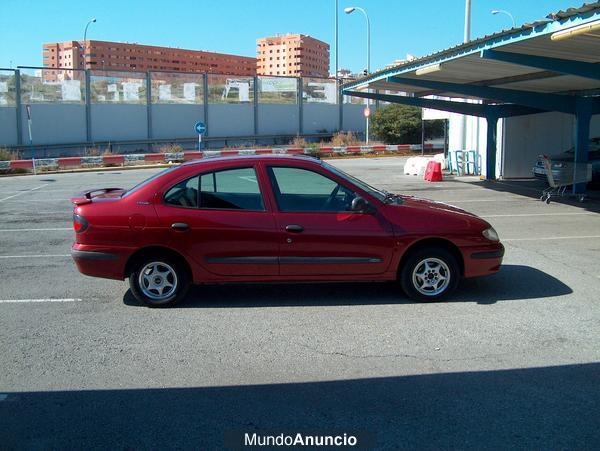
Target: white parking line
[(50, 229), (24, 192), (22, 301), (552, 238), (64, 199), (35, 256), (587, 213), (510, 199)]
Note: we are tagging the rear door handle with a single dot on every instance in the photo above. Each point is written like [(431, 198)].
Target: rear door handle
[(180, 226), (294, 228)]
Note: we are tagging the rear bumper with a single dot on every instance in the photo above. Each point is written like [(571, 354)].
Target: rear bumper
[(100, 262), (483, 260), (93, 255)]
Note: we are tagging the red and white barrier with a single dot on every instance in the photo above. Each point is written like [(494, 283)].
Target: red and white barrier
[(176, 157)]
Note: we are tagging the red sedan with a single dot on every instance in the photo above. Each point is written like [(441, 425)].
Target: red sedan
[(274, 219)]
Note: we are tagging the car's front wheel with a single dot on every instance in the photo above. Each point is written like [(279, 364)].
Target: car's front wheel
[(429, 274), (159, 282)]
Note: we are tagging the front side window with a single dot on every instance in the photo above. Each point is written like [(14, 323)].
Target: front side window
[(302, 190)]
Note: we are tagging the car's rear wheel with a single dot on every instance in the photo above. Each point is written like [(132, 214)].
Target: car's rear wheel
[(159, 282), (429, 274)]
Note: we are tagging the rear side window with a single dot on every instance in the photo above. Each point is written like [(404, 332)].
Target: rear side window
[(184, 194), (231, 189)]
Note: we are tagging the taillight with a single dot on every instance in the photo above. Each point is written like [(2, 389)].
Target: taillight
[(80, 224)]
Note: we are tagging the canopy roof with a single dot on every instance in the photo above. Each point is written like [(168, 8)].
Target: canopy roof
[(559, 55)]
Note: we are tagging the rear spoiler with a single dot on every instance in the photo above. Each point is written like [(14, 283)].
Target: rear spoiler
[(86, 196)]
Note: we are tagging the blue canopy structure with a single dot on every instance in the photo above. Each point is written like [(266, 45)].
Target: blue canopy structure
[(549, 65)]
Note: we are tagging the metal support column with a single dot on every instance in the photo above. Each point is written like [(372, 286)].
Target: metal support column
[(583, 116), (18, 107), (490, 151), (149, 108), (255, 107), (88, 107), (300, 102), (340, 100), (205, 103)]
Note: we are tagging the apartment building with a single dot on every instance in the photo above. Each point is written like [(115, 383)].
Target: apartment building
[(295, 55), (136, 57)]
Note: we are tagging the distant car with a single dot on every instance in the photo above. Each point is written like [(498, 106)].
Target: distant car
[(274, 219), (559, 160)]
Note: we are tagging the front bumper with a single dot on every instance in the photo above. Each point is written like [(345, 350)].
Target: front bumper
[(483, 260)]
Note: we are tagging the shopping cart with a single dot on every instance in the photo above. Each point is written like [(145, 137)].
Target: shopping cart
[(562, 175)]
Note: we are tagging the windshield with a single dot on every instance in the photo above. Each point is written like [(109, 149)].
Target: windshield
[(148, 180), (377, 193)]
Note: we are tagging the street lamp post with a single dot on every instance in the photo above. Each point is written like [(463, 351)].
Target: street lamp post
[(85, 37), (501, 11), (350, 10)]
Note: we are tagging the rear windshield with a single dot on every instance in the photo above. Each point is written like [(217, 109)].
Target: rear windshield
[(145, 182)]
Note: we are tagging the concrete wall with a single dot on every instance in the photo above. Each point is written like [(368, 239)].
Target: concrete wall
[(54, 123), (66, 123), (175, 121), (231, 119), (118, 122), (277, 119), (317, 117), (8, 126), (526, 137), (519, 139), (353, 118)]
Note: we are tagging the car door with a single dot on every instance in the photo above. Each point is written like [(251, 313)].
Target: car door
[(319, 234), (219, 219)]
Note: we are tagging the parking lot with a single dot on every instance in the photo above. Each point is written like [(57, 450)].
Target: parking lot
[(509, 361)]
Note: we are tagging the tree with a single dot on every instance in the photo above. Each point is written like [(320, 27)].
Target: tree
[(401, 124)]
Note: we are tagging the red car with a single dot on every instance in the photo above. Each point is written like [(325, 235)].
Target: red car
[(274, 219)]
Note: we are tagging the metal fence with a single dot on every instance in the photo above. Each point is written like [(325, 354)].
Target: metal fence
[(75, 106)]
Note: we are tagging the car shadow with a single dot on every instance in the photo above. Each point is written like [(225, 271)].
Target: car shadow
[(533, 189), (552, 407), (511, 283)]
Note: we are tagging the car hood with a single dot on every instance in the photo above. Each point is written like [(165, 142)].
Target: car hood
[(428, 204), (564, 156), (423, 216)]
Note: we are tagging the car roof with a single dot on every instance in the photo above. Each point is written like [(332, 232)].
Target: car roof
[(245, 158)]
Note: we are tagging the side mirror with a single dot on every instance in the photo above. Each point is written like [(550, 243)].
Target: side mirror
[(360, 205)]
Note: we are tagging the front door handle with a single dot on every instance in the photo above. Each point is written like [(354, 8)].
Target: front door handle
[(294, 228), (180, 226)]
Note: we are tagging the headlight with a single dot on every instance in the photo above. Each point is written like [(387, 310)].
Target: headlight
[(491, 234)]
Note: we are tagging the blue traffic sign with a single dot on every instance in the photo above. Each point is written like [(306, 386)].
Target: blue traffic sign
[(200, 128)]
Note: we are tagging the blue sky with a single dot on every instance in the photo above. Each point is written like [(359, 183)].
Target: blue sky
[(398, 27)]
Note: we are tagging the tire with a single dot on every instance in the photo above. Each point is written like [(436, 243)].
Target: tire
[(440, 263), (159, 281)]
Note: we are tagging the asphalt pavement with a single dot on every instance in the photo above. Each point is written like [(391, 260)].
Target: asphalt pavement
[(510, 361)]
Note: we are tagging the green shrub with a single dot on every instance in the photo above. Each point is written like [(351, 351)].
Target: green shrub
[(170, 148), (6, 154), (344, 139), (401, 124)]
